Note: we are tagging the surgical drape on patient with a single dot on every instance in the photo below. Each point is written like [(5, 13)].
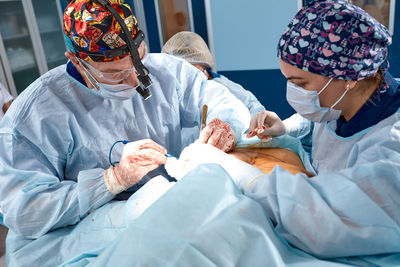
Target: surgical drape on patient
[(203, 220)]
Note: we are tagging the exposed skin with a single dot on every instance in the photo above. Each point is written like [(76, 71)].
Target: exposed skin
[(203, 69), (359, 93), (6, 106), (112, 66)]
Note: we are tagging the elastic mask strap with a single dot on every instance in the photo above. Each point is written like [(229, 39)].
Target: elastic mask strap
[(326, 85), (89, 76), (340, 98)]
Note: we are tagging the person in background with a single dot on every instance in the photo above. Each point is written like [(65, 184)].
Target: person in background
[(191, 47), (5, 100), (56, 139), (334, 56)]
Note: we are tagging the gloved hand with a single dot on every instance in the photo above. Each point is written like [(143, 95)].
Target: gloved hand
[(266, 124), (219, 134), (138, 158), (196, 154)]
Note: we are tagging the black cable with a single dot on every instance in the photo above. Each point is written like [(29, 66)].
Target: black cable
[(143, 76), (111, 149)]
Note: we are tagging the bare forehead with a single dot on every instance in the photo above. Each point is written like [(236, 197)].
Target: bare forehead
[(292, 71), (289, 70)]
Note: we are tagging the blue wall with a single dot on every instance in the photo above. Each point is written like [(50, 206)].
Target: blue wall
[(245, 41), (246, 35), (269, 86), (152, 27), (394, 49), (199, 19)]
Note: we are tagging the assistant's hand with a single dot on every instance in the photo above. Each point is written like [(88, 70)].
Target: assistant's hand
[(219, 134), (138, 158), (265, 124)]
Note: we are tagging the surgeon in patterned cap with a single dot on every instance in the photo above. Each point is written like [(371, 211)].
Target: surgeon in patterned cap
[(57, 137), (334, 57), (98, 46), (90, 30)]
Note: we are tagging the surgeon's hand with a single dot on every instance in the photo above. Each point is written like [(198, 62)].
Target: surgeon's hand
[(138, 158), (265, 124), (219, 134)]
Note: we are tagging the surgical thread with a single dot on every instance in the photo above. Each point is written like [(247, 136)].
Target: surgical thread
[(252, 181)]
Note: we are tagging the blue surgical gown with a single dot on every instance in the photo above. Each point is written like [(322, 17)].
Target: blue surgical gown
[(56, 137), (352, 206)]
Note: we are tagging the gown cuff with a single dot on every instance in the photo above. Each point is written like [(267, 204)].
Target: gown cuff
[(92, 190)]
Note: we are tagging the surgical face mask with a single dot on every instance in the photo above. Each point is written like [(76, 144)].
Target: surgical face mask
[(116, 91), (111, 91), (306, 103)]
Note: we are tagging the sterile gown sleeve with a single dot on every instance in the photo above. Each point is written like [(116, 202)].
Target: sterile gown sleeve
[(352, 212), (195, 91), (248, 99), (297, 126), (35, 196)]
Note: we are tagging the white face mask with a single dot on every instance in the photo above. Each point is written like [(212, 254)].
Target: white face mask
[(306, 103), (116, 91)]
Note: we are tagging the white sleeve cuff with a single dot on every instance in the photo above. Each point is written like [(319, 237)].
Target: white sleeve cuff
[(112, 183)]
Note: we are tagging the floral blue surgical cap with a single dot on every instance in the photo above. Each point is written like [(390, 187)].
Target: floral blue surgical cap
[(336, 39)]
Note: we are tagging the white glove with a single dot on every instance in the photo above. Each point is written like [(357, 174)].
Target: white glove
[(138, 158), (265, 124), (219, 134), (196, 154)]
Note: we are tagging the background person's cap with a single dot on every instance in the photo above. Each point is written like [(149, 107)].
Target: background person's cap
[(189, 46)]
